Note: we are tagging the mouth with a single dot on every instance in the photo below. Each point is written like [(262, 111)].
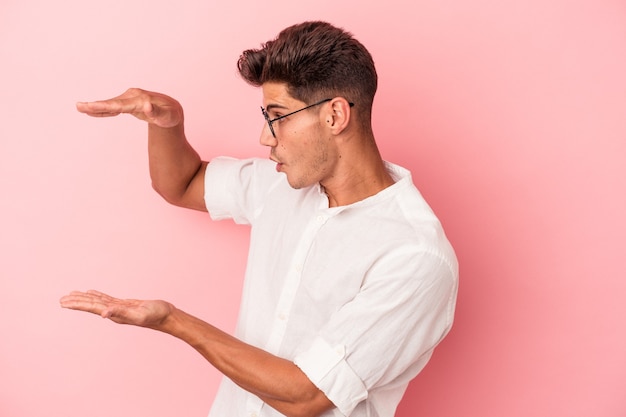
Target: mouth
[(279, 164)]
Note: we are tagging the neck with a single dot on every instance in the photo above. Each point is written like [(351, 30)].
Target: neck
[(361, 173)]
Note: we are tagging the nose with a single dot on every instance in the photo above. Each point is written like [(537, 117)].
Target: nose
[(267, 139)]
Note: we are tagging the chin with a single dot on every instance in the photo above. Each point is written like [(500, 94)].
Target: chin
[(295, 186), (297, 183)]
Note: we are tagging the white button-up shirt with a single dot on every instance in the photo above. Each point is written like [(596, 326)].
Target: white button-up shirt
[(356, 296)]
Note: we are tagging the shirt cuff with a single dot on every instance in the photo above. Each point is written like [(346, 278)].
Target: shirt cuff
[(327, 368)]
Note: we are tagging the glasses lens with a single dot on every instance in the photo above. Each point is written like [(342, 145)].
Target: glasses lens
[(269, 122)]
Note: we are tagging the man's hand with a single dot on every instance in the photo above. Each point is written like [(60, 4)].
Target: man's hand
[(278, 382), (142, 313), (154, 108), (176, 170)]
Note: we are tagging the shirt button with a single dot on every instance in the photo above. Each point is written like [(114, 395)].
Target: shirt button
[(253, 414), (282, 316)]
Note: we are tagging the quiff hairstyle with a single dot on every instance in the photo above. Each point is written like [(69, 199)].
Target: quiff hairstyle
[(316, 60)]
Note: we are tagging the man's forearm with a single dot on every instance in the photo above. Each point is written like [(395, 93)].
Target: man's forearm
[(278, 382), (174, 164)]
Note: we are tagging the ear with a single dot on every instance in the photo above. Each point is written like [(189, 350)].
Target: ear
[(337, 117)]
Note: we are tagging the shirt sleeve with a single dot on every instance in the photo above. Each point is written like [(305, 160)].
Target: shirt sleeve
[(234, 188), (387, 333)]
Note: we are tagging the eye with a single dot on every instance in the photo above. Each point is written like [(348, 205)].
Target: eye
[(277, 117)]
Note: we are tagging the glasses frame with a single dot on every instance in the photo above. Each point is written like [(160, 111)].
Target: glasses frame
[(271, 121)]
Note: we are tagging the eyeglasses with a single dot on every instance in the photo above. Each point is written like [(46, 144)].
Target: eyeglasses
[(271, 121)]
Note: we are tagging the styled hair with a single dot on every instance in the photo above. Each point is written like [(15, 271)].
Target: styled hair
[(315, 60)]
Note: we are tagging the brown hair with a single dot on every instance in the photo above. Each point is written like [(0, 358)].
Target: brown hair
[(316, 61)]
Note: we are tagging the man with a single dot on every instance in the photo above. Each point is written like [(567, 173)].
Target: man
[(351, 282)]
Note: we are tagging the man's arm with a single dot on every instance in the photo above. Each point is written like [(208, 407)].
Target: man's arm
[(278, 382), (176, 169)]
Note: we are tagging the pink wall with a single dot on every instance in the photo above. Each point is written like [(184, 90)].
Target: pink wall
[(511, 115)]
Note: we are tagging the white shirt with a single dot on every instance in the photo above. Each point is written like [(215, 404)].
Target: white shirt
[(357, 296)]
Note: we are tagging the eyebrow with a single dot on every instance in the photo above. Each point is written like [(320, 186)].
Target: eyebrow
[(275, 106)]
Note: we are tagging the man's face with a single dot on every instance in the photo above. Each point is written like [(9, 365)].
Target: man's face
[(303, 149)]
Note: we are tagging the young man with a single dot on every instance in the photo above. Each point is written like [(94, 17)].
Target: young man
[(351, 282)]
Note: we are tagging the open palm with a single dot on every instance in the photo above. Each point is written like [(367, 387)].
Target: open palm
[(155, 108), (144, 313)]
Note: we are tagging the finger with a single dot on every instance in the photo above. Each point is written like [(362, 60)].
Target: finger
[(74, 295), (100, 294), (111, 107), (132, 100), (103, 114), (103, 298), (90, 301), (82, 303)]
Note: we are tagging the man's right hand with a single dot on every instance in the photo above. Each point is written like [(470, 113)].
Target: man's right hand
[(176, 170), (154, 108)]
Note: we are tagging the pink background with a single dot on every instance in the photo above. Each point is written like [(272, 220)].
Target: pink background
[(510, 114)]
